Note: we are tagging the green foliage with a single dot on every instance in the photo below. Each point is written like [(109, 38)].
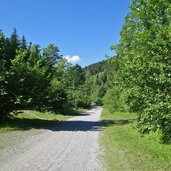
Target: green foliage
[(98, 78), (31, 77), (144, 65), (77, 94), (114, 101), (8, 48)]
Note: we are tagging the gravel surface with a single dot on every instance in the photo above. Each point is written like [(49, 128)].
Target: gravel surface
[(71, 145)]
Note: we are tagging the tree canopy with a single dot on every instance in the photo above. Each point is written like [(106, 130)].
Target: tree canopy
[(143, 79)]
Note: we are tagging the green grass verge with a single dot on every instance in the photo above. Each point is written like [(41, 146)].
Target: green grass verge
[(29, 119), (126, 149)]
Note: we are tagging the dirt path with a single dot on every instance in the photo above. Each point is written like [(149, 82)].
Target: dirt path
[(70, 146)]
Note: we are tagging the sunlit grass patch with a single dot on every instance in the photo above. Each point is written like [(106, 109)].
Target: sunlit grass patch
[(126, 149), (28, 119)]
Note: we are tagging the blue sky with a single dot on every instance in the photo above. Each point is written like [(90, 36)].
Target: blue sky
[(84, 28)]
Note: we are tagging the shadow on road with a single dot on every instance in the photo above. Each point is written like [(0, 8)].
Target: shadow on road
[(55, 125)]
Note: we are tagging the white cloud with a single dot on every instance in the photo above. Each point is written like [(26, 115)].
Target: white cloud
[(72, 59)]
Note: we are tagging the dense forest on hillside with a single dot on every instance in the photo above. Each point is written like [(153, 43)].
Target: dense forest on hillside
[(98, 79), (137, 80)]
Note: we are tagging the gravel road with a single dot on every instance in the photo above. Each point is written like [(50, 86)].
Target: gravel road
[(71, 145)]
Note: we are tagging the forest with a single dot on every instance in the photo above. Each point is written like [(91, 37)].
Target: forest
[(137, 79)]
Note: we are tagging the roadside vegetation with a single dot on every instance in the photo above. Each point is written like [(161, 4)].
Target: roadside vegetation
[(141, 82), (37, 78), (126, 149), (138, 99)]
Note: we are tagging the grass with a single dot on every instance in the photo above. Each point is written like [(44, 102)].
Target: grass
[(126, 149), (29, 119)]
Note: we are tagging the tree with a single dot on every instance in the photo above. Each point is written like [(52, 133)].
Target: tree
[(50, 57), (144, 52), (8, 48)]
